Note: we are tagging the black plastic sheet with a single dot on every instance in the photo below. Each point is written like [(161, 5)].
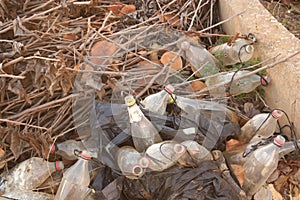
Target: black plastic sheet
[(201, 183)]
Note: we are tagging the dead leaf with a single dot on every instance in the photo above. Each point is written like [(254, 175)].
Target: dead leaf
[(233, 144), (102, 51), (280, 182), (168, 57), (275, 195), (70, 37), (249, 110), (171, 18), (128, 9), (197, 85), (148, 67), (17, 88), (16, 146), (238, 170), (2, 157), (116, 7), (274, 176)]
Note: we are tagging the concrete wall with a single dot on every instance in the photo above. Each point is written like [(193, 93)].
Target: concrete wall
[(273, 38)]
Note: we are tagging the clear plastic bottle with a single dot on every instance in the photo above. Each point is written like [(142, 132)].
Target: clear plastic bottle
[(142, 130), (157, 102), (288, 147), (244, 85), (194, 155), (164, 154), (262, 125), (199, 57), (193, 106), (29, 174), (229, 54), (27, 195), (76, 179), (66, 149), (260, 165), (131, 162)]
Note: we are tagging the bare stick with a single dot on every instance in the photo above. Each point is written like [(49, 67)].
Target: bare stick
[(24, 124), (11, 76)]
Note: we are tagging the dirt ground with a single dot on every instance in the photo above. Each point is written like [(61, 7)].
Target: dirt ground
[(286, 12)]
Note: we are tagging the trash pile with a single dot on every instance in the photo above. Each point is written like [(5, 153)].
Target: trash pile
[(133, 106)]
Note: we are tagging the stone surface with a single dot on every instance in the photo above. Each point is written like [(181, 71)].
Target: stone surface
[(272, 38)]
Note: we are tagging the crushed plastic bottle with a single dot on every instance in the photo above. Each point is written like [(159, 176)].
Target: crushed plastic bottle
[(157, 102), (263, 193), (29, 174), (27, 195), (66, 149), (260, 165), (244, 85), (164, 154), (142, 130), (199, 57), (131, 162), (262, 125), (240, 50), (76, 179), (194, 155)]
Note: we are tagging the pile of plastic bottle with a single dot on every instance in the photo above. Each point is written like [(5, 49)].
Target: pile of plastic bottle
[(259, 155)]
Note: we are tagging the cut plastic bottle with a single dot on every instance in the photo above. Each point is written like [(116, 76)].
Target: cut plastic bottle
[(260, 165), (230, 54), (194, 155), (29, 174), (76, 179), (157, 102), (244, 85), (164, 154), (142, 130), (261, 126), (131, 162), (202, 61)]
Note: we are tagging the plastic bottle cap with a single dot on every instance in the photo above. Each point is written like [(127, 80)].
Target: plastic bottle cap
[(59, 165), (137, 170), (85, 155), (170, 89), (277, 114), (144, 162), (129, 100), (185, 45), (264, 80), (179, 149), (172, 99), (249, 48), (279, 140), (52, 150)]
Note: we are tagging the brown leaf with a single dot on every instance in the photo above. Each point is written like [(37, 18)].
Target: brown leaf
[(70, 37), (102, 51), (280, 182), (238, 170), (17, 88), (249, 110), (116, 7), (16, 146), (168, 57), (275, 195), (233, 144), (2, 157), (128, 9), (148, 67), (171, 18), (197, 85)]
